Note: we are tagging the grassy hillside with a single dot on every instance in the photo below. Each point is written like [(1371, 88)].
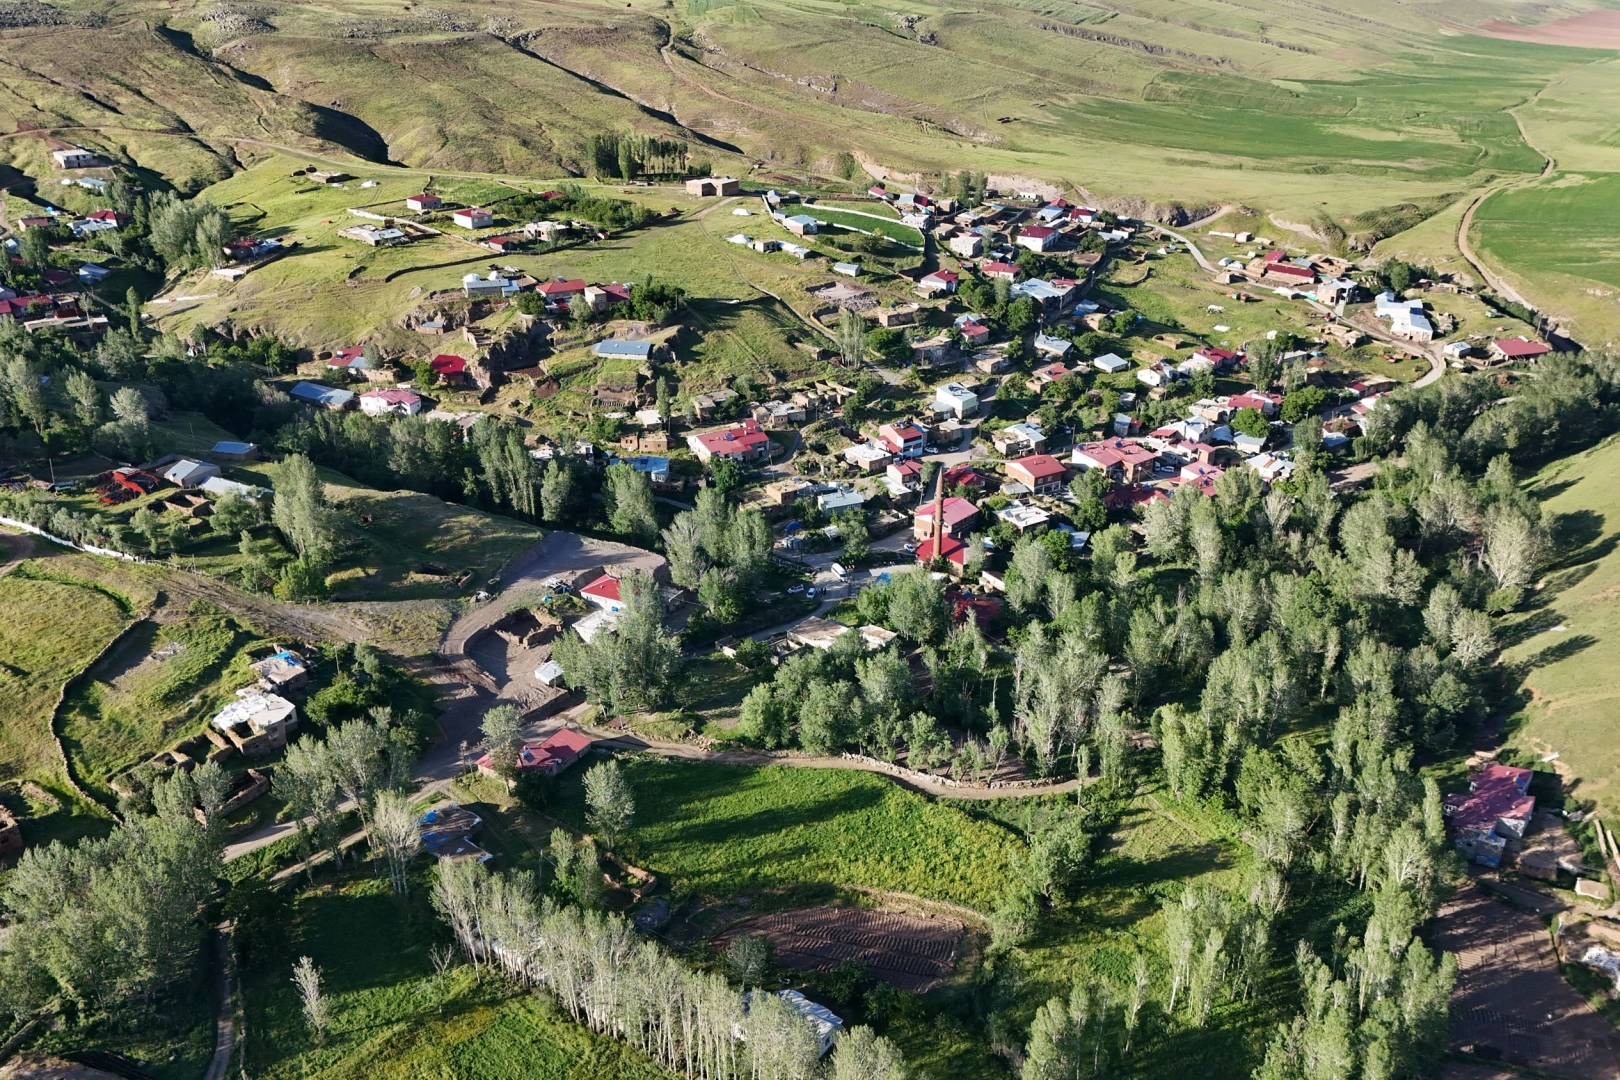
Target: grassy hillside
[(1292, 106), (1568, 643)]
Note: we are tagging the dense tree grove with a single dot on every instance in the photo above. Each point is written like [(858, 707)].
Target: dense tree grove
[(109, 926), (617, 983), (630, 664)]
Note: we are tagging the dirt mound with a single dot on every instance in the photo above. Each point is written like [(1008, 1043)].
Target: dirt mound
[(912, 952)]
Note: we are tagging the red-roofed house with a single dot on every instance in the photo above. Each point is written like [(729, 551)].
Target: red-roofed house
[(1038, 472), (982, 609), (1046, 375), (902, 475), (1289, 272), (1497, 807), (1127, 496), (877, 192), (1005, 271), (449, 369), (425, 201), (1221, 358), (347, 358), (382, 402), (963, 475), (1518, 348), (112, 217), (974, 333), (1125, 461), (953, 551), (549, 758), (960, 516), (603, 592), (35, 222), (1036, 237), (945, 280), (1200, 476), (558, 293), (902, 440), (743, 443), (1267, 401), (1274, 256)]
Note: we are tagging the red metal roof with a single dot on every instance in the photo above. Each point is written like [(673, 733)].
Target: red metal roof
[(606, 587), (1111, 452), (957, 510), (951, 550), (1290, 270), (1495, 792), (1038, 232), (1039, 466), (1520, 348), (560, 288), (446, 364), (1001, 268), (734, 440)]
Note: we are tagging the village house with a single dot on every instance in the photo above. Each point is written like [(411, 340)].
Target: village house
[(376, 235), (956, 399), (558, 293), (1003, 270), (869, 457), (934, 350), (232, 450), (1036, 237), (1040, 473), (473, 217), (257, 723), (960, 517), (327, 397), (939, 281), (707, 404), (1111, 363), (1124, 461), (847, 269), (618, 349), (1496, 808), (800, 225), (602, 592), (1053, 298), (1018, 440), (386, 402), (1267, 401), (75, 157), (904, 439), (1055, 347), (281, 671), (495, 285), (1044, 376), (788, 491), (840, 499), (778, 415), (1517, 348), (1023, 516), (743, 443), (424, 201), (448, 368), (968, 245), (902, 476), (707, 186)]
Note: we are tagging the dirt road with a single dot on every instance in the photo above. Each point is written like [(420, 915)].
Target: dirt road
[(15, 547)]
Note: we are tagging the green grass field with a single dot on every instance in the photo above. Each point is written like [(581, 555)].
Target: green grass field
[(1567, 643), (392, 1017), (713, 830)]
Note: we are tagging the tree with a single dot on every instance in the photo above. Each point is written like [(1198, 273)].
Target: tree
[(398, 833), (851, 338), (34, 249), (683, 545), (1056, 1049), (559, 491), (232, 514), (630, 501), (631, 665), (502, 729), (1514, 548), (827, 716), (725, 474), (852, 528), (1251, 421), (307, 978), (610, 804), (86, 398), (917, 608), (764, 719), (1301, 403), (748, 958), (301, 512), (862, 1054)]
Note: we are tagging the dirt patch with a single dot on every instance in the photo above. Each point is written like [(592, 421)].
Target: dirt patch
[(912, 952), (1598, 29), (1510, 998)]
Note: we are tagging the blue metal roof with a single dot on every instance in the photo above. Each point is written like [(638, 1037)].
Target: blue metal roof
[(635, 350)]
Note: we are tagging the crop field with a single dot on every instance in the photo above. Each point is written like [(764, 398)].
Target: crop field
[(1567, 643), (392, 1017), (1559, 236), (713, 830)]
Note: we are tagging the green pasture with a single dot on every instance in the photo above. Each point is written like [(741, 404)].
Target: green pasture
[(1566, 641), (713, 830), (894, 230)]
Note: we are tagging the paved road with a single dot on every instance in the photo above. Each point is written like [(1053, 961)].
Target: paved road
[(1198, 256)]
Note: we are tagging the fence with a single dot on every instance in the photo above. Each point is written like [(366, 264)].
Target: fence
[(89, 549), (902, 773)]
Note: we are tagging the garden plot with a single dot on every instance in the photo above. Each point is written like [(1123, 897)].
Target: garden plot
[(912, 952)]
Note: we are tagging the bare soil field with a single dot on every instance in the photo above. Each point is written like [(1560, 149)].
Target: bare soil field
[(913, 952), (1510, 998), (1596, 29)]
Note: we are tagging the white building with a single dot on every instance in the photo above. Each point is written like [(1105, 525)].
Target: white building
[(1111, 363), (187, 473), (956, 399)]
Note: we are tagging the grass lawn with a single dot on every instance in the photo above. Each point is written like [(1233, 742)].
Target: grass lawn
[(392, 1017), (716, 829), (1567, 641), (894, 230)]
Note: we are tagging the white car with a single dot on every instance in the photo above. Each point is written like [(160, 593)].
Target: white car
[(911, 548), (795, 588), (811, 593)]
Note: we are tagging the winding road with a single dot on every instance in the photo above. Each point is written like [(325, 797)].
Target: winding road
[(1492, 279)]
